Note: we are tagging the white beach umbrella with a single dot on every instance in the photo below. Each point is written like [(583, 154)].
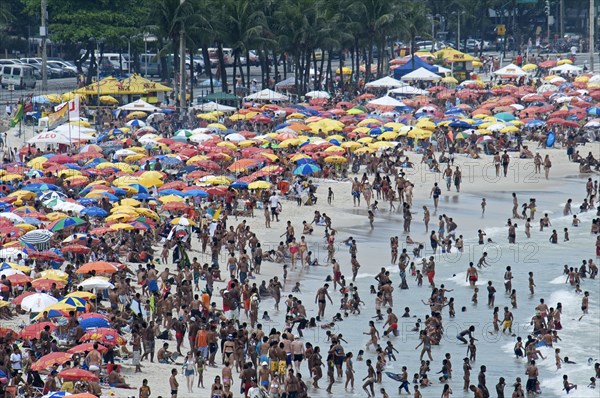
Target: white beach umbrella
[(96, 282), (37, 302)]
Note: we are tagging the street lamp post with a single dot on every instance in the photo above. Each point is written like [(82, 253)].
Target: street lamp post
[(182, 71), (592, 34), (44, 36)]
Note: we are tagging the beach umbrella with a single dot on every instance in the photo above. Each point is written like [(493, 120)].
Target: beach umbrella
[(91, 323), (259, 185), (10, 271), (13, 218), (307, 169), (46, 284), (136, 123), (96, 282), (104, 336), (19, 299), (22, 268), (182, 221), (37, 302), (76, 249), (94, 212), (65, 223), (336, 159), (76, 302), (37, 236), (86, 347), (196, 193), (47, 361), (19, 279), (101, 267), (34, 330), (77, 375), (594, 111)]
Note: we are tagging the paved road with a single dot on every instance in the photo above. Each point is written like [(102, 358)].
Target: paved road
[(68, 84)]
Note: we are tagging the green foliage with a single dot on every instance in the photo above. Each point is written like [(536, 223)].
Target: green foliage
[(77, 21)]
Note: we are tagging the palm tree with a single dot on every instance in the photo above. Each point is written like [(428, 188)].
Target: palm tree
[(376, 17), (244, 26), (167, 18)]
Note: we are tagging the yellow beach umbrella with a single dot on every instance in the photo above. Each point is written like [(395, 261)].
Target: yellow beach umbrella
[(449, 79), (82, 294), (388, 135), (130, 202), (170, 198), (121, 227), (57, 215), (363, 150), (108, 99), (37, 163), (219, 180), (259, 185), (55, 275), (336, 159)]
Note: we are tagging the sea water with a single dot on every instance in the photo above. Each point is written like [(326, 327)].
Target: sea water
[(580, 339)]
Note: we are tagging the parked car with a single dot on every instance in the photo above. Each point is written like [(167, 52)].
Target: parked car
[(32, 61), (64, 71), (68, 66), (52, 71), (21, 76)]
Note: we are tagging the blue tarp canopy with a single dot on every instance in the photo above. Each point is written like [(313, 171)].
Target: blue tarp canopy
[(413, 64)]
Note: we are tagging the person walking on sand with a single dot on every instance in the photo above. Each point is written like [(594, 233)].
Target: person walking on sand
[(355, 191), (505, 163), (426, 218), (369, 380), (435, 193), (322, 293), (173, 383), (457, 178), (547, 165)]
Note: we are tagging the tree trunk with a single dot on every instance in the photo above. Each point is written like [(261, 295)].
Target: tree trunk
[(248, 70), (321, 80), (297, 75), (369, 61), (328, 71), (222, 69), (307, 71), (241, 69), (191, 85), (356, 69), (235, 63), (317, 77), (284, 66), (208, 68), (275, 67), (263, 76)]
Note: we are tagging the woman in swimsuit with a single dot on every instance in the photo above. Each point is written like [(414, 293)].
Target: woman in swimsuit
[(216, 391)]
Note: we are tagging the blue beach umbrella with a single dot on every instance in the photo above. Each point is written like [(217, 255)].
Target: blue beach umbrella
[(94, 212), (195, 193), (90, 323), (306, 169)]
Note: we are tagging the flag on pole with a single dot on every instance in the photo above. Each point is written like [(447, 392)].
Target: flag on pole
[(60, 116), (18, 116), (217, 214), (74, 109)]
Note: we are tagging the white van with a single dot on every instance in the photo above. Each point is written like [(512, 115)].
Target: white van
[(21, 76), (114, 60)]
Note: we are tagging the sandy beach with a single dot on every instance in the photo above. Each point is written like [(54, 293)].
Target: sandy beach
[(579, 338)]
